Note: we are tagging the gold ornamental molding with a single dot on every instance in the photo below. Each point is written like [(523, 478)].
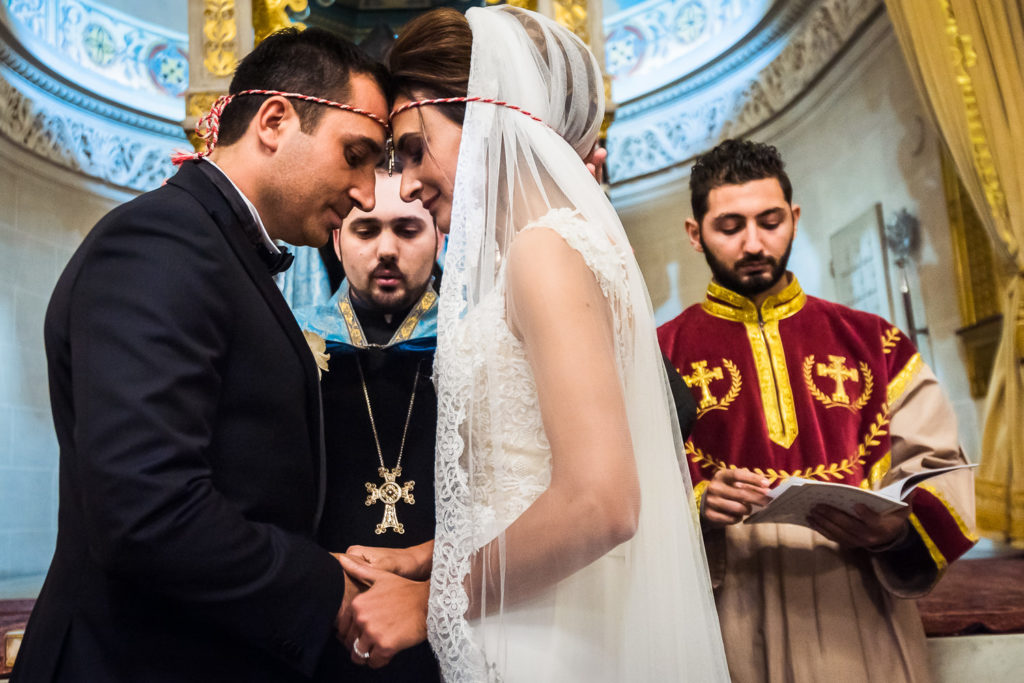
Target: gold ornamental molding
[(196, 106), (198, 103), (572, 14), (220, 37), (269, 16), (524, 4), (977, 279), (964, 56)]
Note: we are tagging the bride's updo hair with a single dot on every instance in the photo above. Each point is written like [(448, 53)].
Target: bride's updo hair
[(431, 60), (571, 80), (562, 85)]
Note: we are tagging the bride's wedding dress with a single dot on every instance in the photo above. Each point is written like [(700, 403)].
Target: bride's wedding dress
[(530, 582), (648, 597), (562, 634)]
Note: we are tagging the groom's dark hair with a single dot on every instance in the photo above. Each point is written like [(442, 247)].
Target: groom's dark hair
[(313, 62)]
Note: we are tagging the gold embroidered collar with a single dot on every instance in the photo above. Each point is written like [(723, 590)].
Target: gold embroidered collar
[(728, 305), (404, 331)]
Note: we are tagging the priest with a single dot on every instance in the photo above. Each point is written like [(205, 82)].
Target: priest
[(791, 385), (378, 333)]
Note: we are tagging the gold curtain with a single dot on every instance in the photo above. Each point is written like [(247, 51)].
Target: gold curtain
[(968, 64)]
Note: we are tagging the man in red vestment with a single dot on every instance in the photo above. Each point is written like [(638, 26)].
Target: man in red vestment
[(791, 385)]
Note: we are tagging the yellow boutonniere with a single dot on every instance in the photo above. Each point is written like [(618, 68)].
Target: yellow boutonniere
[(318, 347)]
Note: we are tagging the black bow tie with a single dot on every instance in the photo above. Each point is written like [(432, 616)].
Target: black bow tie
[(275, 263)]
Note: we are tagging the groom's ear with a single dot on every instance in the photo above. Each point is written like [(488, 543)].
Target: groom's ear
[(273, 121)]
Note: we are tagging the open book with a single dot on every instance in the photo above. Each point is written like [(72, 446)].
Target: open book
[(794, 498)]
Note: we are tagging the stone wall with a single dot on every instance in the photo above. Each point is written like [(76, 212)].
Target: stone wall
[(45, 212)]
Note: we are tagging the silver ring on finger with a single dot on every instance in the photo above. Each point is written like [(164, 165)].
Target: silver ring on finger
[(355, 648)]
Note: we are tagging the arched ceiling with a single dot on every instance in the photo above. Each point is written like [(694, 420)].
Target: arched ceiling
[(651, 44), (688, 73), (131, 53)]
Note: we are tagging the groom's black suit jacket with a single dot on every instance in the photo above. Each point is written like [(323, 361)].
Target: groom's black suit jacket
[(187, 411)]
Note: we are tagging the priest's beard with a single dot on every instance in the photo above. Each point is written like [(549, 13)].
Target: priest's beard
[(747, 285), (387, 302)]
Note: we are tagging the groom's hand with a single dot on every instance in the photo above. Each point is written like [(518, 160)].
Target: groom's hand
[(390, 616), (343, 621)]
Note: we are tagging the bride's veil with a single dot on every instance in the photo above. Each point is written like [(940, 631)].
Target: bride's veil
[(512, 170)]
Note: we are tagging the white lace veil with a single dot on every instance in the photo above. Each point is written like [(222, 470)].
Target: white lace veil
[(513, 170)]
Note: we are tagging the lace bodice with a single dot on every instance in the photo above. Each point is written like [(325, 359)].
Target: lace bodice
[(511, 456)]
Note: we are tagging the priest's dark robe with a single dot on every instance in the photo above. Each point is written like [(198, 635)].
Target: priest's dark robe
[(394, 353)]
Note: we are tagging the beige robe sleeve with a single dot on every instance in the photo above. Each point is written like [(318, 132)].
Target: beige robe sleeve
[(924, 436)]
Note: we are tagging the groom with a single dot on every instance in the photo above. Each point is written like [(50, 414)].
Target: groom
[(186, 401)]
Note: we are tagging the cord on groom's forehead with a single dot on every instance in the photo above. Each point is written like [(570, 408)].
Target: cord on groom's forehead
[(208, 127)]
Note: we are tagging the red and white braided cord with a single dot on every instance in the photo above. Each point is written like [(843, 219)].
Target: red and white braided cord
[(460, 100), (208, 127)]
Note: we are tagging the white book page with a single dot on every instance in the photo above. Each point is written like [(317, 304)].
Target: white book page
[(900, 489), (793, 499)]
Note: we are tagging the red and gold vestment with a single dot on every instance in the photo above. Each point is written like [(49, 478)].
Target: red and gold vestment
[(805, 387)]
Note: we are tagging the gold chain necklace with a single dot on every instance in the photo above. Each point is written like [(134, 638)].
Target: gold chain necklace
[(390, 492)]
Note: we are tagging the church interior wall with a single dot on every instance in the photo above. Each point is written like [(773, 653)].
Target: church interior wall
[(859, 136), (45, 212)]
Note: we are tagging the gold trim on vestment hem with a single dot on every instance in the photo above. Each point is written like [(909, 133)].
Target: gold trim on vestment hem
[(699, 489), (823, 472), (937, 557), (880, 469), (968, 533), (903, 378)]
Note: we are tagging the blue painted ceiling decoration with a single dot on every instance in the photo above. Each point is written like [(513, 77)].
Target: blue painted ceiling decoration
[(106, 51), (688, 73), (93, 89), (656, 42)]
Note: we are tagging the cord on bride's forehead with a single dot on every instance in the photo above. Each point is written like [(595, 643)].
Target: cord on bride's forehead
[(464, 100)]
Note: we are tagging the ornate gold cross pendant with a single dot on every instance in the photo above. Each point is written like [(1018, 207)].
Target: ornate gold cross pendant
[(390, 493)]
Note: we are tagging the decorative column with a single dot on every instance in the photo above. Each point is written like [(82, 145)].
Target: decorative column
[(220, 33), (272, 15)]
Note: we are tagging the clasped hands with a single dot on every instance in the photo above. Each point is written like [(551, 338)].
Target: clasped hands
[(385, 605), (732, 494)]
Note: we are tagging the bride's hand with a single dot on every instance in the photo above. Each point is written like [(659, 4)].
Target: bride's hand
[(388, 617), (413, 562), (595, 162)]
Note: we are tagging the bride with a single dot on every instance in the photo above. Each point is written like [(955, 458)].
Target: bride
[(566, 545)]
